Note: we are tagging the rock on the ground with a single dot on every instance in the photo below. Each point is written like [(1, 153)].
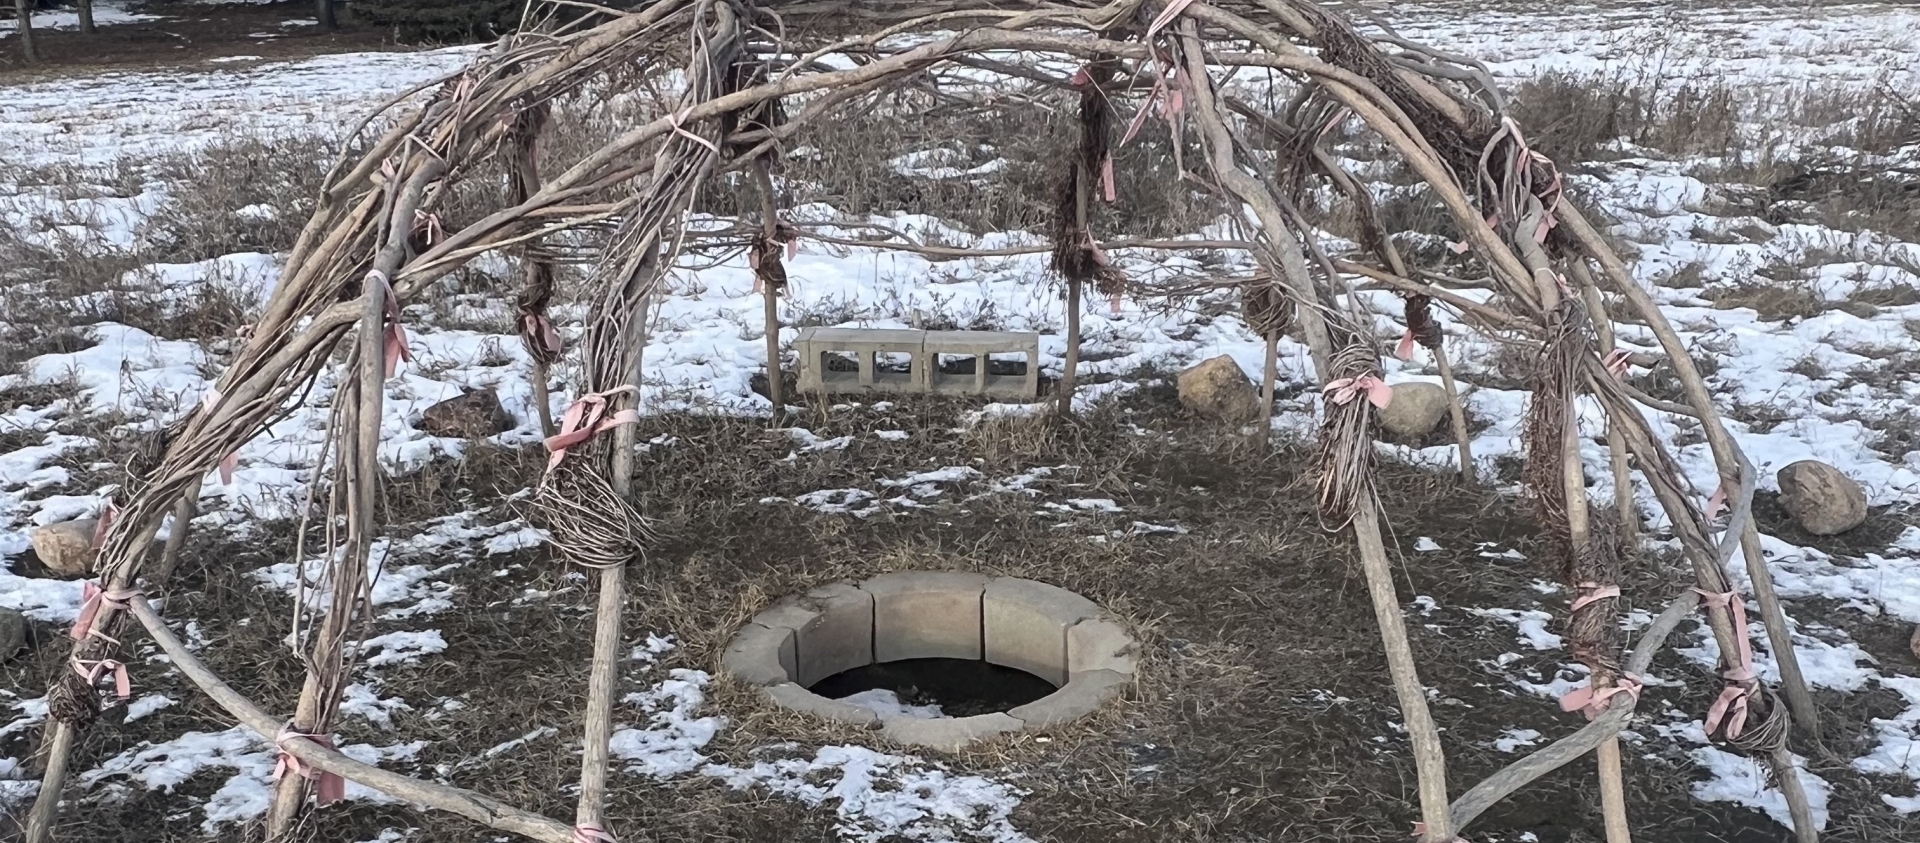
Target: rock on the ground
[(475, 415), (1416, 410), (65, 548), (1825, 501), (1218, 389), (13, 634), (1914, 642)]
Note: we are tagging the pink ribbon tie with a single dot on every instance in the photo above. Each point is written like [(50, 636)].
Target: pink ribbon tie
[(592, 833), (395, 351), (93, 670), (92, 598), (587, 418), (328, 787), (1717, 502), (1586, 700), (548, 337), (1593, 592), (1729, 710), (1346, 389), (1616, 363), (106, 520), (1106, 179), (1404, 350)]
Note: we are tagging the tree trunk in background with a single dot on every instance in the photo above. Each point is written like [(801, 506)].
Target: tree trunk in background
[(86, 17), (323, 12), (23, 10)]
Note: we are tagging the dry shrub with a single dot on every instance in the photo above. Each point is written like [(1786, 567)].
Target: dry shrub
[(244, 194)]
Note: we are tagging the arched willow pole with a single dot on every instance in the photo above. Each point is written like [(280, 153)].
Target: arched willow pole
[(1436, 113)]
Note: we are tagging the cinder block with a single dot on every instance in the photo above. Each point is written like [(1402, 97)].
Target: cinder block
[(1081, 696), (760, 655), (946, 734), (926, 615), (1099, 644), (1025, 625), (789, 695)]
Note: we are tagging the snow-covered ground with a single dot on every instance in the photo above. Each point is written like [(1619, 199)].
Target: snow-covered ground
[(706, 347)]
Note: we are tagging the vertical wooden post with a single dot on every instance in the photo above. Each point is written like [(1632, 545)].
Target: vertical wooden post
[(86, 16), (1269, 377), (23, 11), (770, 316)]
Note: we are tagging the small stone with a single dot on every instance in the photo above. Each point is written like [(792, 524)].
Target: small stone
[(1416, 410), (1218, 389), (65, 548), (1914, 642), (475, 415), (947, 734), (13, 634), (790, 696), (1824, 501)]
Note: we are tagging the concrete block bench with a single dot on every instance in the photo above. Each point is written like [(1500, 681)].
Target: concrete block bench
[(923, 350)]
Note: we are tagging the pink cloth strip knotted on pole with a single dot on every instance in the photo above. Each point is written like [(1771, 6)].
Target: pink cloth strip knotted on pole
[(91, 599), (1346, 389), (396, 336), (548, 337), (585, 419), (94, 669), (1730, 708), (592, 833), (1586, 700), (1591, 592), (107, 514), (328, 787)]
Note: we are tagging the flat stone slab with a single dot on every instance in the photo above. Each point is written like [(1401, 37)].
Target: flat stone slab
[(1081, 696), (947, 734), (789, 695), (1024, 625), (832, 627), (1100, 644), (760, 655), (926, 615)]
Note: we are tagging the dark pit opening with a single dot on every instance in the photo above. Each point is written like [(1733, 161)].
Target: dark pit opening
[(960, 687)]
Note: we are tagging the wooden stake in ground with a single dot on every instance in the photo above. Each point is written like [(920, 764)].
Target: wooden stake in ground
[(23, 12), (1281, 255), (1268, 312), (771, 276), (324, 13), (1076, 255)]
